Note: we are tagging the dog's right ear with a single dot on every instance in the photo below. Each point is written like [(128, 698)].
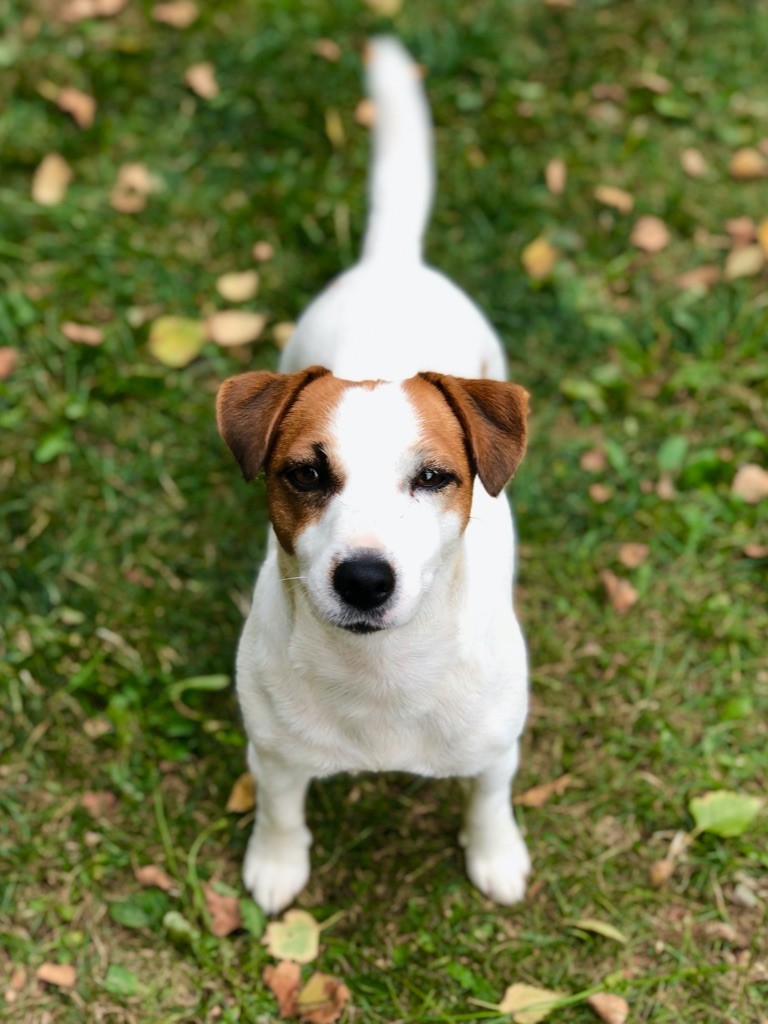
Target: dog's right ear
[(250, 406)]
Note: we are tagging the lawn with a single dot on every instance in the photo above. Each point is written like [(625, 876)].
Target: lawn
[(129, 543)]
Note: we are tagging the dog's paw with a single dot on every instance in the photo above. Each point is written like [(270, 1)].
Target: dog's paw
[(499, 871), (275, 873)]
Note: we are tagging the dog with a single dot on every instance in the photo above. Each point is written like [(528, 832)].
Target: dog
[(382, 634)]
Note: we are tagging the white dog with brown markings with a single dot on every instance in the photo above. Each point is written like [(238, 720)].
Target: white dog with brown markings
[(382, 634)]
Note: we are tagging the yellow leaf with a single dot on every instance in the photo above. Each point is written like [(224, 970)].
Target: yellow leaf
[(539, 258), (51, 180), (232, 327), (746, 261), (243, 795), (762, 236), (385, 8), (591, 924), (176, 340), (528, 1004), (296, 937), (238, 286), (322, 999)]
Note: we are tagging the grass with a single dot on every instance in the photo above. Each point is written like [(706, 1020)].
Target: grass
[(129, 543)]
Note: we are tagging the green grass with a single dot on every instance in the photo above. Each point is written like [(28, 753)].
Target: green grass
[(129, 543)]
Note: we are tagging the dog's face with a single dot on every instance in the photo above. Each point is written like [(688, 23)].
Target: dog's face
[(369, 484)]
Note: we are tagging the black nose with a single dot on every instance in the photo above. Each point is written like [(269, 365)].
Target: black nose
[(365, 582)]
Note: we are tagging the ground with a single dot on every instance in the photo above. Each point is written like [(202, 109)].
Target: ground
[(129, 543)]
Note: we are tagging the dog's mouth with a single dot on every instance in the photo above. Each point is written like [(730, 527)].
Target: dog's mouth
[(361, 628)]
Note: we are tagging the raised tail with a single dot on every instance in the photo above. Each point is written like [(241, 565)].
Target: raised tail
[(402, 172)]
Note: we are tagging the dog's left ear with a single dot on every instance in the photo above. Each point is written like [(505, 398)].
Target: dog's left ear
[(249, 408), (493, 415)]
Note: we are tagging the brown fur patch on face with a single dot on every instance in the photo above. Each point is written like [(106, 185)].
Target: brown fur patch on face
[(443, 445)]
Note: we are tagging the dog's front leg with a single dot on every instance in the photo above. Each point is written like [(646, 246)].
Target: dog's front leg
[(497, 858), (276, 865)]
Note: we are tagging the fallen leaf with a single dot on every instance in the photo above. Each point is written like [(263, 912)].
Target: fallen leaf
[(665, 486), (750, 483), (560, 5), (96, 726), (231, 327), (592, 924), (18, 979), (743, 896), (176, 340), (742, 230), (593, 461), (650, 234), (617, 198), (60, 975), (132, 186), (693, 163), (8, 358), (756, 550), (98, 802), (177, 13), (283, 332), (746, 261), (283, 981), (537, 796), (79, 105), (295, 937), (600, 493), (609, 1008), (322, 999), (386, 8), (328, 49), (80, 10), (243, 795), (365, 113), (539, 258), (747, 164), (609, 91), (621, 593), (556, 176), (762, 235), (334, 127), (633, 554), (528, 1004), (51, 180), (653, 82), (660, 872), (82, 334), (238, 286), (201, 79), (725, 813), (152, 875), (263, 252), (703, 276), (224, 911)]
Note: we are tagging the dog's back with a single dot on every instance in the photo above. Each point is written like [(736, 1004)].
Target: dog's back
[(391, 316)]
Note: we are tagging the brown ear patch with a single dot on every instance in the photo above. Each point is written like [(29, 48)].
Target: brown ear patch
[(249, 408), (493, 416)]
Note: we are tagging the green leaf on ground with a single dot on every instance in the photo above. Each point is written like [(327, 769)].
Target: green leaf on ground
[(725, 813), (176, 340)]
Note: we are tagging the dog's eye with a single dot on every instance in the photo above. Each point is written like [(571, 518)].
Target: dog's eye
[(306, 477), (432, 480)]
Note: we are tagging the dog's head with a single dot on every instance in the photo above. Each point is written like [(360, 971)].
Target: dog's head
[(369, 484)]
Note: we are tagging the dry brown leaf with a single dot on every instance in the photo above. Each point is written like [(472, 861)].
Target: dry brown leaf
[(665, 487), (132, 186), (609, 91), (329, 49), (238, 286), (155, 876), (365, 113), (617, 198), (593, 461), (703, 276), (322, 999), (243, 795), (79, 105), (653, 82), (8, 358), (201, 79), (660, 872), (556, 176), (528, 1004), (621, 593), (650, 234), (263, 251), (96, 726), (633, 554), (176, 13), (693, 163), (224, 911), (283, 981), (762, 235), (16, 983), (60, 975), (98, 802), (82, 334), (539, 258), (80, 10), (756, 550), (283, 332), (747, 164), (51, 180), (747, 261), (232, 327), (537, 796), (609, 1008), (750, 483), (742, 230), (600, 493)]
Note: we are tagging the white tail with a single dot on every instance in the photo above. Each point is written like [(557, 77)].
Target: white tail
[(402, 172)]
